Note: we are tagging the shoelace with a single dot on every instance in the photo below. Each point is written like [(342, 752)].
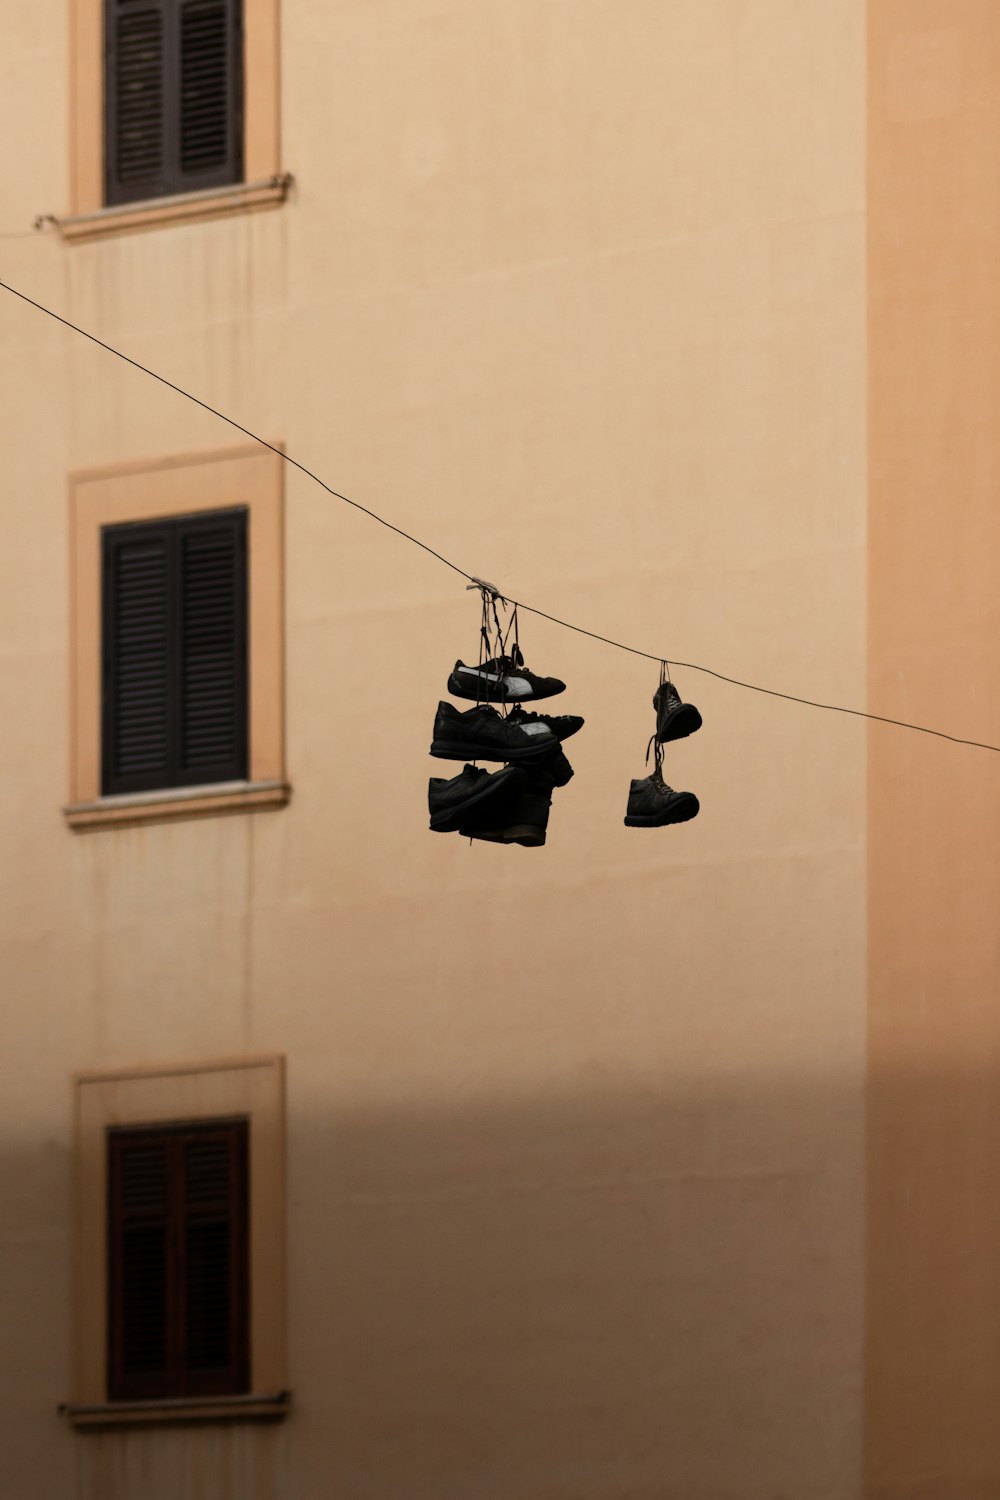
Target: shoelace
[(656, 776)]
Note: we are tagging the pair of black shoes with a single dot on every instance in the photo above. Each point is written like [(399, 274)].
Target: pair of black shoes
[(511, 805), (651, 802)]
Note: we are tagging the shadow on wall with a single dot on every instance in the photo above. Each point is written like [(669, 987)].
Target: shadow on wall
[(573, 1297), (578, 1297)]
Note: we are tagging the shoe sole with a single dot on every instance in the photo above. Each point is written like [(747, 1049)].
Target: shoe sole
[(528, 838), (446, 750), (684, 722), (678, 813), (524, 834), (450, 819)]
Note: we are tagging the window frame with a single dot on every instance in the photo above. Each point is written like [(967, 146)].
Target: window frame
[(181, 1094), (182, 485), (263, 184)]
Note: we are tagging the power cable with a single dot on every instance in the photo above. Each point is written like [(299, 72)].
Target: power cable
[(477, 582), (221, 414)]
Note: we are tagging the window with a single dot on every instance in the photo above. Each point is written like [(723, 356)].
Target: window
[(177, 638), (178, 1261), (172, 96), (179, 1244), (174, 112), (174, 635)]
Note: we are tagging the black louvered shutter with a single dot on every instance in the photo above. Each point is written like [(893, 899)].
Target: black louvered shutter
[(137, 638), (212, 584), (139, 1202), (173, 97), (178, 1264), (175, 653)]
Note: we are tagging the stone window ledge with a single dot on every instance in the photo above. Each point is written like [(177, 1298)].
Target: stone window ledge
[(213, 203), (177, 802), (263, 1407)]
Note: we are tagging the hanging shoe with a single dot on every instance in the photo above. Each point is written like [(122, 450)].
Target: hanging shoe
[(652, 804), (520, 817), (562, 725), (488, 821), (503, 679), (451, 801), (555, 763), (530, 810), (481, 734), (674, 720)]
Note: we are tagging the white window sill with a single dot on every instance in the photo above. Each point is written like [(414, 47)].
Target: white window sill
[(177, 802), (241, 197)]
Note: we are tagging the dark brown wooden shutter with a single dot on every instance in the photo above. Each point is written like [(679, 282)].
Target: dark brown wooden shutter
[(178, 1263), (175, 653), (209, 86), (137, 99), (137, 633), (173, 97), (212, 585), (139, 1252)]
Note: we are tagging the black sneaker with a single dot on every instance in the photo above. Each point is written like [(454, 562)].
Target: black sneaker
[(674, 720), (450, 801), (518, 818), (651, 804), (489, 820), (503, 679), (530, 810), (481, 734), (556, 764), (562, 725)]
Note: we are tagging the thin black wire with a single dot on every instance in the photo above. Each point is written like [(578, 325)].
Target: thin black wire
[(221, 414), (514, 603), (754, 687)]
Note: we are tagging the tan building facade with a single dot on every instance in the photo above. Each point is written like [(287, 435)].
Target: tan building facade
[(650, 1163)]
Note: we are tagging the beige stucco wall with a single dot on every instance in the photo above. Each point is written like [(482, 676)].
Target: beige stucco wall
[(576, 292), (933, 1370)]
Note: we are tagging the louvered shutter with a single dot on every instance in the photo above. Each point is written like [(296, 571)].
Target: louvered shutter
[(209, 135), (173, 97), (212, 588), (138, 95), (175, 653), (138, 1294), (138, 632), (178, 1268), (215, 1262)]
